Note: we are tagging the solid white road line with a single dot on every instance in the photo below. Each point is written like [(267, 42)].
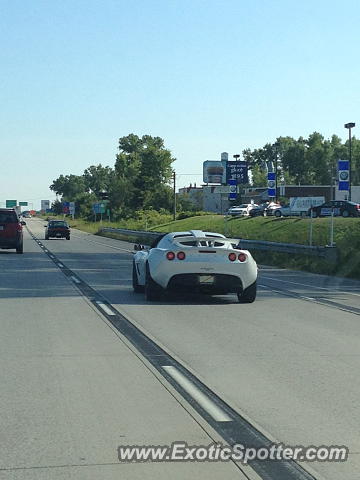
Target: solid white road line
[(205, 402), (105, 308)]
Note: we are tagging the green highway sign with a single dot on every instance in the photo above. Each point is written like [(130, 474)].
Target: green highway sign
[(23, 204), (11, 203)]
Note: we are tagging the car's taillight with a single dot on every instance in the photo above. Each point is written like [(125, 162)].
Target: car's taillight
[(170, 255), (358, 206), (242, 257), (232, 257), (181, 255)]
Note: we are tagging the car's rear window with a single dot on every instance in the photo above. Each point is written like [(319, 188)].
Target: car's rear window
[(58, 224), (8, 217)]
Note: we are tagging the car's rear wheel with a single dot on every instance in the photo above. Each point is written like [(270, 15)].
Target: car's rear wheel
[(345, 213), (20, 248), (46, 237), (135, 283), (152, 289), (248, 295), (277, 213)]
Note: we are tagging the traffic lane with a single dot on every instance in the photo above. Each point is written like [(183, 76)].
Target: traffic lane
[(279, 361), (337, 290), (72, 392)]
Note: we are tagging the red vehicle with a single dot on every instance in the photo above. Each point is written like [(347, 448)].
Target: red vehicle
[(11, 230)]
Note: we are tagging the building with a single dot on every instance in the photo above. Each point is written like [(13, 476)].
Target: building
[(194, 194)]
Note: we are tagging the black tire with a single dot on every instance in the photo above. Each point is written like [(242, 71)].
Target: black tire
[(345, 214), (248, 295), (135, 284), (277, 213), (20, 248), (68, 238), (152, 289), (314, 214)]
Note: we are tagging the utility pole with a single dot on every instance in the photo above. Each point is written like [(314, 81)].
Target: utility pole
[(174, 181)]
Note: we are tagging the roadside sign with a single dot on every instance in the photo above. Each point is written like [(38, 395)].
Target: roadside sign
[(72, 208), (237, 171), (344, 175), (11, 203), (45, 204), (232, 189), (99, 207), (272, 184), (66, 207)]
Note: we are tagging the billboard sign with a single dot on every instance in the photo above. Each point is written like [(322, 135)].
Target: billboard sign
[(214, 171), (272, 184), (11, 203), (66, 207), (45, 205), (237, 171), (344, 175), (23, 204)]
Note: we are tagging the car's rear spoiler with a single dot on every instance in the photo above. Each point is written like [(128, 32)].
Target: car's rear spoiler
[(209, 240)]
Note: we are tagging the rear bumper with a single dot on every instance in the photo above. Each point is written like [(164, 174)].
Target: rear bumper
[(199, 283), (62, 234), (10, 242)]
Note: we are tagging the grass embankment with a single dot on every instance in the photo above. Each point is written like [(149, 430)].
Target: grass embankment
[(288, 230)]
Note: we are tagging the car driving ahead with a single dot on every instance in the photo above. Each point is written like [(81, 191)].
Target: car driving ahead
[(195, 261), (11, 231), (57, 229)]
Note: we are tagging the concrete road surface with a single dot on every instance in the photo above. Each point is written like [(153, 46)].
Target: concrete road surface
[(287, 363)]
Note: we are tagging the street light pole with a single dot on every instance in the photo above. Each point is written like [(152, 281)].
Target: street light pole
[(174, 185), (349, 126)]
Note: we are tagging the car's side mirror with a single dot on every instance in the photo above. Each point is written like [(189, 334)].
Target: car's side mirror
[(23, 223)]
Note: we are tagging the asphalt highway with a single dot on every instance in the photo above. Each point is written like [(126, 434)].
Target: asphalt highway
[(73, 388)]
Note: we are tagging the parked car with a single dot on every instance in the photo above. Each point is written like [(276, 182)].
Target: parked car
[(195, 261), (241, 210), (11, 231), (57, 229), (338, 207), (258, 211), (271, 208)]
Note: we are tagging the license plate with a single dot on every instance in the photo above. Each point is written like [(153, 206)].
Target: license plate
[(58, 235), (206, 279)]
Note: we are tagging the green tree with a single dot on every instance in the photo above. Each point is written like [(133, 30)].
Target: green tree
[(146, 165), (98, 178), (69, 186)]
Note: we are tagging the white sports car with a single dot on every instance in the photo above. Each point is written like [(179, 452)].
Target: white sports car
[(195, 261)]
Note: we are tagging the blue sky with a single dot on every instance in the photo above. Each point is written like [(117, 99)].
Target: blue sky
[(205, 75)]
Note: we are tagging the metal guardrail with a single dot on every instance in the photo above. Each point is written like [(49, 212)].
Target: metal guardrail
[(329, 253)]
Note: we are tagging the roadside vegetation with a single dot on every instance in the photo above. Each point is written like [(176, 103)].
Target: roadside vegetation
[(137, 194), (287, 230)]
